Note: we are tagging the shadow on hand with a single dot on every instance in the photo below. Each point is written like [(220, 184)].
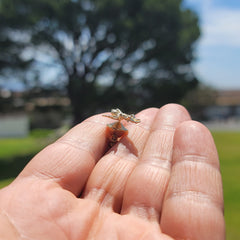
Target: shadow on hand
[(128, 143)]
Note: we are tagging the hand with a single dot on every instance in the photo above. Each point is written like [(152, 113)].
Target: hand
[(161, 182)]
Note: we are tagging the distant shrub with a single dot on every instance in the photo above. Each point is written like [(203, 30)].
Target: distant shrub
[(40, 133)]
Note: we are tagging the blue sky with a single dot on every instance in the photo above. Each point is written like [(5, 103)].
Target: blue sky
[(218, 49)]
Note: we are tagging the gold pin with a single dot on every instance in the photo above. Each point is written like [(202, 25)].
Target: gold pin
[(116, 130)]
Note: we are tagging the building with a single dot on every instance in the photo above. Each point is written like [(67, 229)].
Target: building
[(227, 106), (14, 125)]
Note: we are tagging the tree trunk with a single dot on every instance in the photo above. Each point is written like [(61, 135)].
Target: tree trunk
[(83, 98)]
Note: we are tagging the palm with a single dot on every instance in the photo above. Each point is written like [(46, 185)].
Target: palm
[(60, 215), (131, 193)]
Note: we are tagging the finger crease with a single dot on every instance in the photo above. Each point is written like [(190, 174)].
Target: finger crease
[(101, 196), (164, 164), (197, 197), (168, 128), (197, 159), (79, 145), (145, 212)]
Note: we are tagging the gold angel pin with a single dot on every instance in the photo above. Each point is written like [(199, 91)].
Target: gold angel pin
[(116, 130)]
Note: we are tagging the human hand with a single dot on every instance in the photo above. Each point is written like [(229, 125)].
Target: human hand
[(161, 182)]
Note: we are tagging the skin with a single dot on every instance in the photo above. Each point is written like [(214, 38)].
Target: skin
[(161, 182)]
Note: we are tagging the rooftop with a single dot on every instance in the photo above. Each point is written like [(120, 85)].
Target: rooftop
[(228, 98)]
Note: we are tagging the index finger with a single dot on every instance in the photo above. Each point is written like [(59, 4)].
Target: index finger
[(70, 160)]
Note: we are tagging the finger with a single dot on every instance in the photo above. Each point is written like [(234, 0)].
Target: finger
[(70, 160), (108, 179), (193, 205), (146, 185)]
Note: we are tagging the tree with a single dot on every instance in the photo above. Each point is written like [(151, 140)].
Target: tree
[(131, 53), (198, 99)]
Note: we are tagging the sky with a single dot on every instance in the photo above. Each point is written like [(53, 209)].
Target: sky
[(218, 49)]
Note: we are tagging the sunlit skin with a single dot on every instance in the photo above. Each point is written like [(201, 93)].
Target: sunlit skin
[(161, 181)]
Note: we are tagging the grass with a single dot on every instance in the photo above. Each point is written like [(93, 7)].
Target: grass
[(11, 147), (15, 153), (229, 153), (5, 182), (21, 150)]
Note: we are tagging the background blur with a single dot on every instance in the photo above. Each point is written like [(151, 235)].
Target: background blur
[(62, 61)]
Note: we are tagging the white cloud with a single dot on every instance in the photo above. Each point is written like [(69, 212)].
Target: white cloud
[(219, 23), (218, 49), (220, 26)]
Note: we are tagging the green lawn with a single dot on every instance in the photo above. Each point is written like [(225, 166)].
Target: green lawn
[(15, 153), (11, 147), (228, 145), (5, 182)]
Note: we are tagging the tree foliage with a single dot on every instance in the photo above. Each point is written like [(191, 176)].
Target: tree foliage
[(198, 99), (130, 53)]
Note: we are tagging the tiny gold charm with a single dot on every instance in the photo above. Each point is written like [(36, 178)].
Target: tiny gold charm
[(116, 130)]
